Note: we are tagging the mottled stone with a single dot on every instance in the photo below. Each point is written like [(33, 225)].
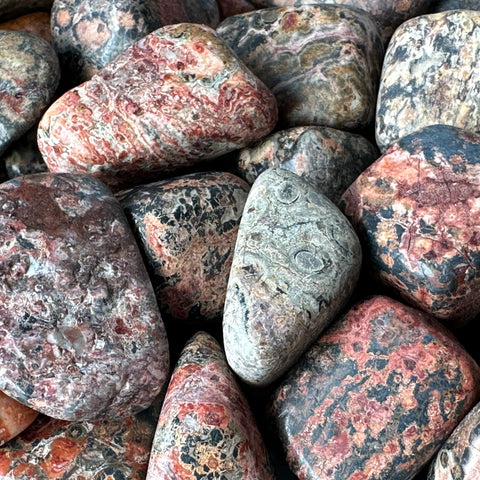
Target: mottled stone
[(295, 264), (443, 5), (229, 8), (327, 158), (416, 210), (29, 76), (14, 418), (15, 8), (35, 22), (175, 98), (322, 62), (430, 76), (375, 396), (206, 429), (88, 34), (81, 337), (187, 228)]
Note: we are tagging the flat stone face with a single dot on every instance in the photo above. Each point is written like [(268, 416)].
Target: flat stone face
[(176, 97), (81, 334), (416, 210), (206, 429), (187, 227), (327, 158), (322, 62), (375, 396), (35, 22), (14, 418), (429, 75), (288, 277)]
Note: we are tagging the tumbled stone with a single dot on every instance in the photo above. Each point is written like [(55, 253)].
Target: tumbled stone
[(416, 212), (88, 34), (234, 7), (15, 8), (81, 334), (187, 228), (206, 429), (327, 158), (375, 396), (175, 98), (322, 62), (29, 76), (14, 418), (430, 76), (295, 264), (443, 5), (35, 22)]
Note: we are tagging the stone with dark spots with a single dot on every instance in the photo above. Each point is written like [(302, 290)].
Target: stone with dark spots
[(443, 5), (322, 62), (430, 76), (173, 99), (35, 22), (15, 8), (81, 336), (206, 429), (375, 396), (187, 228), (14, 418), (416, 212), (327, 158), (295, 264)]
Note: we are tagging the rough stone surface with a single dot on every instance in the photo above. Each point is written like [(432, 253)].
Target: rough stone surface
[(295, 264), (35, 22), (375, 396), (327, 158), (187, 228), (229, 8), (14, 418), (15, 8), (322, 62), (174, 98), (416, 212), (206, 429), (430, 76), (81, 334), (443, 5), (29, 76)]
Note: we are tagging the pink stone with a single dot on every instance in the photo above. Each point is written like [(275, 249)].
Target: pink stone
[(14, 418)]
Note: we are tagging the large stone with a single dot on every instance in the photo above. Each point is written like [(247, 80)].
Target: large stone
[(14, 418)]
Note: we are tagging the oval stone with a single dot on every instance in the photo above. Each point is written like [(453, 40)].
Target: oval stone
[(14, 418), (35, 22), (375, 396)]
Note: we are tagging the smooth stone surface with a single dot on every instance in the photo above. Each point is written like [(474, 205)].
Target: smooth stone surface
[(81, 334), (15, 8), (187, 228), (416, 212), (206, 429), (295, 264), (37, 23), (175, 98), (322, 62), (327, 158), (375, 396), (29, 76), (14, 418), (430, 76)]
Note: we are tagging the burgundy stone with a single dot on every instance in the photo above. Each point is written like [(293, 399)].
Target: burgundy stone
[(35, 22), (229, 8)]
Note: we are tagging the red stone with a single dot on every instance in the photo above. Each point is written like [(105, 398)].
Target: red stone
[(14, 418)]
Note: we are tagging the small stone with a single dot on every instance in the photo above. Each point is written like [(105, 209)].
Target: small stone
[(206, 429), (15, 8), (295, 264), (14, 418), (82, 337), (175, 98), (187, 228), (375, 396), (322, 62), (35, 22), (327, 158)]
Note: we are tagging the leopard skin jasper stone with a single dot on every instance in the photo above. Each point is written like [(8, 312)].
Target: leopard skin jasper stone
[(327, 158), (416, 210), (29, 76), (14, 418), (430, 76), (187, 228), (35, 22), (443, 5), (375, 396), (322, 62), (81, 336), (206, 429), (173, 99), (88, 34), (295, 264), (15, 8)]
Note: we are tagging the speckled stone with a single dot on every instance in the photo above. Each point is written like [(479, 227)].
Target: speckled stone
[(88, 34), (327, 158), (416, 210), (187, 228), (430, 76), (206, 429), (322, 62), (102, 450), (295, 264), (15, 8), (375, 396), (35, 22), (81, 334), (229, 8), (29, 76), (175, 98), (443, 5), (14, 418)]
